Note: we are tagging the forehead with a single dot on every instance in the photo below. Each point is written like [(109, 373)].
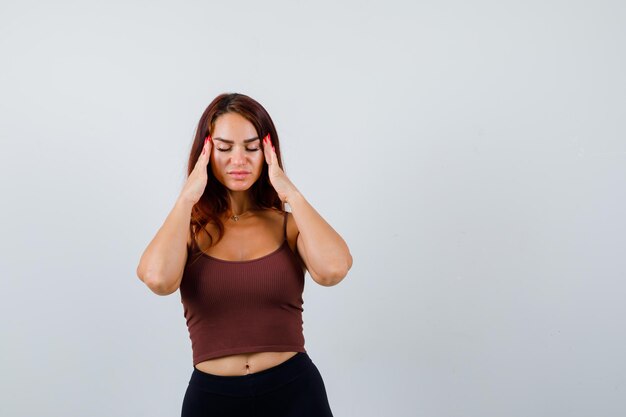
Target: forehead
[(233, 126)]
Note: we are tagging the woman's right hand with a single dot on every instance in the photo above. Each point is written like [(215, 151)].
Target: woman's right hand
[(196, 182)]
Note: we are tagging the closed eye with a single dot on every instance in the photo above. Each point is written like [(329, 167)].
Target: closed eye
[(247, 149)]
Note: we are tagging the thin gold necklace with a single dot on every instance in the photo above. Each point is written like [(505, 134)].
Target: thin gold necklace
[(235, 217)]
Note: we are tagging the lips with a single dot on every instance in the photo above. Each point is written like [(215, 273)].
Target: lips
[(239, 175)]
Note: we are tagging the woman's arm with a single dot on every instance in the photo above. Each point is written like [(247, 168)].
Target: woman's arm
[(162, 264), (324, 252)]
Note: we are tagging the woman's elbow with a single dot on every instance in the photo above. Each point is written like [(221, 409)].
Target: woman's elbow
[(156, 284), (335, 273)]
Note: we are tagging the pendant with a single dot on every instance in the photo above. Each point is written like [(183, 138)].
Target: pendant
[(235, 217)]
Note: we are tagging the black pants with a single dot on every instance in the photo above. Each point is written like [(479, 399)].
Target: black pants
[(292, 388)]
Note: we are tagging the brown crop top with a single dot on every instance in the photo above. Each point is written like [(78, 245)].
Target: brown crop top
[(244, 306)]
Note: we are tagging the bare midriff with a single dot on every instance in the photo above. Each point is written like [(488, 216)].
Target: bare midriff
[(243, 363)]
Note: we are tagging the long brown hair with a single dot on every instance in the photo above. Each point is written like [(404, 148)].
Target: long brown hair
[(214, 201)]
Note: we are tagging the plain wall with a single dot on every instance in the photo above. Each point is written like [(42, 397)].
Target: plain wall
[(472, 154)]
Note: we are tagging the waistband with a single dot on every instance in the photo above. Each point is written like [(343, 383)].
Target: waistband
[(255, 383)]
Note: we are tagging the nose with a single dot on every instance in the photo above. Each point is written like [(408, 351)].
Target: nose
[(238, 156)]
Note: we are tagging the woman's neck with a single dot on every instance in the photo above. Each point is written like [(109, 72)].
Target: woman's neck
[(240, 202)]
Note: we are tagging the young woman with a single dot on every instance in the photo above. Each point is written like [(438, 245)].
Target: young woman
[(239, 259)]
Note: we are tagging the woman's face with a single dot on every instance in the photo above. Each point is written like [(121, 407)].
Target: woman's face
[(237, 158)]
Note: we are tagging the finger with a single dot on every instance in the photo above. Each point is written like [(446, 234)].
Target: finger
[(206, 151), (273, 159), (266, 150), (209, 148), (274, 156), (203, 159)]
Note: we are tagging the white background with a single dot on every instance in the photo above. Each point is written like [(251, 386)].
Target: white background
[(471, 153)]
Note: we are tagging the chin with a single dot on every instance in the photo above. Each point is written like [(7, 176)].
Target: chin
[(238, 186)]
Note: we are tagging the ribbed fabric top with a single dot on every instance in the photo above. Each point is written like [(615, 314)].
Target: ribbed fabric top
[(244, 306)]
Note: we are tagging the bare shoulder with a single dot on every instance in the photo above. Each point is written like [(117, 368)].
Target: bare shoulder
[(202, 236), (277, 217)]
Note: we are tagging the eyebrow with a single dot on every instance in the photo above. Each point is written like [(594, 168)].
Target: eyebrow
[(230, 141)]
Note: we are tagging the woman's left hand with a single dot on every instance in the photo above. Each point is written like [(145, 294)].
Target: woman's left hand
[(283, 186)]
